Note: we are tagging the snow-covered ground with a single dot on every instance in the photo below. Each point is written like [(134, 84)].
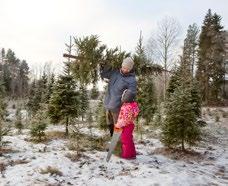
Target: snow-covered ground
[(153, 166)]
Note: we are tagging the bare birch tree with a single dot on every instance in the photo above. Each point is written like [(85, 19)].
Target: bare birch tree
[(164, 44)]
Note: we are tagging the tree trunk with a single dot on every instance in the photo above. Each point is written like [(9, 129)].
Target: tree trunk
[(141, 135), (67, 123), (182, 145), (77, 141), (39, 136), (207, 90), (165, 66), (1, 134)]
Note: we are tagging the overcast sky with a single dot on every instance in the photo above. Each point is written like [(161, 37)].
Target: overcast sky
[(37, 29)]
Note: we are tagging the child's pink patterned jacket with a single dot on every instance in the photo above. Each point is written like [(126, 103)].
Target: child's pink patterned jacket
[(127, 115)]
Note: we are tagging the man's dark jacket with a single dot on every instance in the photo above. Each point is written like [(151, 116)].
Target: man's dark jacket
[(118, 82)]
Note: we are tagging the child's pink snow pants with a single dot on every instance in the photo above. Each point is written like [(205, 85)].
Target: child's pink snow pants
[(128, 146)]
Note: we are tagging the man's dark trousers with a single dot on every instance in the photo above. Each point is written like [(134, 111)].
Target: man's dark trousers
[(111, 119)]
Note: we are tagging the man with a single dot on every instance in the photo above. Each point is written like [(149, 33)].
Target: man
[(119, 80)]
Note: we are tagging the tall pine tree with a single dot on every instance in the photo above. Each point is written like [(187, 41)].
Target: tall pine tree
[(190, 48), (210, 70), (23, 77)]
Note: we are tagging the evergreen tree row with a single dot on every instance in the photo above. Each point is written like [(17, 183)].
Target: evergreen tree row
[(14, 74)]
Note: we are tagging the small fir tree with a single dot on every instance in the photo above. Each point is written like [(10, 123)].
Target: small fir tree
[(179, 125), (18, 122), (64, 103), (38, 125), (101, 116), (84, 101), (3, 129), (147, 99)]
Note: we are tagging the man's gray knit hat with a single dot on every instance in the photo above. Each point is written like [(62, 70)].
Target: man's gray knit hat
[(128, 63)]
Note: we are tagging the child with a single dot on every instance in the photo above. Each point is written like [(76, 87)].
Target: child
[(128, 113)]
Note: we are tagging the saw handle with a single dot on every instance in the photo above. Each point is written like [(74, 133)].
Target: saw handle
[(118, 129)]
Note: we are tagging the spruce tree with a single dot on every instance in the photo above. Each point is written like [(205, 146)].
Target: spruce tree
[(6, 74), (12, 67), (91, 55), (39, 125), (210, 69), (3, 129), (94, 93), (42, 86), (216, 67), (174, 81), (147, 99), (18, 122), (182, 107), (15, 74), (2, 102), (182, 75), (179, 127), (196, 98), (49, 90), (190, 48), (140, 57), (23, 77), (84, 101), (38, 94), (146, 89), (64, 103), (32, 104), (101, 116), (35, 97)]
